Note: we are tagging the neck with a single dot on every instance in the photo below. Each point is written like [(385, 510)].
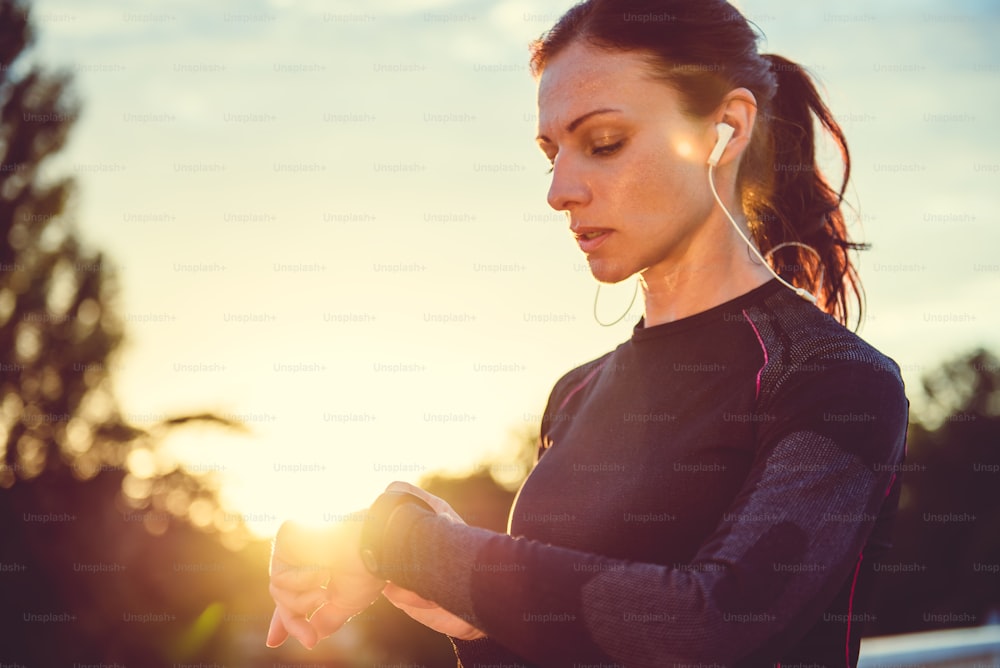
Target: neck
[(694, 285)]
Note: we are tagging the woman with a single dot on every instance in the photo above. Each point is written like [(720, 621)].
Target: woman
[(715, 490)]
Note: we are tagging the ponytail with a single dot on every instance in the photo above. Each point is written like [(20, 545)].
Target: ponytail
[(795, 204), (706, 49)]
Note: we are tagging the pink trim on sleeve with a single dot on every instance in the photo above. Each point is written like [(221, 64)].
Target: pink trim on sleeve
[(581, 384), (760, 340), (850, 612)]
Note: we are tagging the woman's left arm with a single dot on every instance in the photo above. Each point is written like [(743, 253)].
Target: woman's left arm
[(790, 540)]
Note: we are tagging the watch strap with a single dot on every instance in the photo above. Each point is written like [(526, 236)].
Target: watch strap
[(377, 520)]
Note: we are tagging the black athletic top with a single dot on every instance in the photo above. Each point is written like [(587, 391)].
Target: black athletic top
[(713, 492)]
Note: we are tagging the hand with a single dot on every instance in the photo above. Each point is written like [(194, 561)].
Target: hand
[(318, 581), (429, 613)]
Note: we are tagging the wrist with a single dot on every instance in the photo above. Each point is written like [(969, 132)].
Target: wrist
[(377, 525)]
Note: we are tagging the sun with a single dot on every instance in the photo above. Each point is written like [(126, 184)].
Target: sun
[(261, 483)]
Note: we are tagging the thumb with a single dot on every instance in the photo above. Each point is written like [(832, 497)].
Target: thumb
[(439, 505), (404, 597)]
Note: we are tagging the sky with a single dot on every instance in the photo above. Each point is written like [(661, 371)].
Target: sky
[(328, 219)]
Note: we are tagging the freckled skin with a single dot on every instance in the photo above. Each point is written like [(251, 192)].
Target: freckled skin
[(640, 171)]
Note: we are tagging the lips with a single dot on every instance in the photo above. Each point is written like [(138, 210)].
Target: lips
[(590, 238)]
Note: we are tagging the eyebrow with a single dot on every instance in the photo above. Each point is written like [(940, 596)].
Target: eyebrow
[(575, 123)]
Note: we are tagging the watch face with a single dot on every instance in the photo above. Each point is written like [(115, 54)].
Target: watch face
[(369, 560)]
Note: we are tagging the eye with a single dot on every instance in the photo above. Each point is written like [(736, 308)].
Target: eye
[(607, 149)]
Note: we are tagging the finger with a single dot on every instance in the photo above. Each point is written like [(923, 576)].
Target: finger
[(302, 603), (329, 618), (399, 596), (439, 505), (298, 627), (301, 578), (276, 633)]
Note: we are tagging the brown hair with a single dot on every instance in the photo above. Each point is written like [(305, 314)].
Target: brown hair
[(704, 49)]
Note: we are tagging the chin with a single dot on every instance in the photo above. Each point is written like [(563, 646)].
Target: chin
[(608, 271)]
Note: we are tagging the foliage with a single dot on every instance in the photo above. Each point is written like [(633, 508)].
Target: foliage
[(943, 569), (97, 561)]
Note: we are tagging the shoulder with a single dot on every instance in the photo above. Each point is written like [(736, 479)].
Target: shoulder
[(565, 388), (801, 342), (822, 378), (575, 379)]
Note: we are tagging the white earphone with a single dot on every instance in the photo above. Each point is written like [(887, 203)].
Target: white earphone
[(725, 134), (725, 131)]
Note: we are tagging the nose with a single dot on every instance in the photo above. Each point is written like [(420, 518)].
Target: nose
[(569, 188)]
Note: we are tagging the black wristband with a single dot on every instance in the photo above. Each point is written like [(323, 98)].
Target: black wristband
[(378, 518)]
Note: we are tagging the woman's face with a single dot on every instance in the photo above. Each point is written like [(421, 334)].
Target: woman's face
[(628, 166)]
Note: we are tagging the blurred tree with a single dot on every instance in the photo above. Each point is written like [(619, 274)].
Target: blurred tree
[(944, 568), (56, 330), (95, 564)]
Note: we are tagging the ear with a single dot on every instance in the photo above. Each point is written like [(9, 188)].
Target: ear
[(739, 110)]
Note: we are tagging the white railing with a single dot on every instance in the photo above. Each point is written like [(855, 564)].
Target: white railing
[(977, 647)]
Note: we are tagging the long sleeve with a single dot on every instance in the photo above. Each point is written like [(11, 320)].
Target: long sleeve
[(792, 539)]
